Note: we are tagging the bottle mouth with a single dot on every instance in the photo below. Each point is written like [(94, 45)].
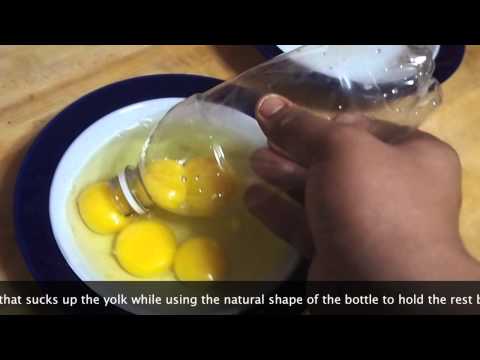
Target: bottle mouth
[(123, 180)]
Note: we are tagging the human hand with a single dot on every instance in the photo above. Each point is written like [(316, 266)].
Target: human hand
[(372, 210)]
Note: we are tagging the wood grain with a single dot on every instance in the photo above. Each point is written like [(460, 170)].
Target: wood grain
[(37, 82)]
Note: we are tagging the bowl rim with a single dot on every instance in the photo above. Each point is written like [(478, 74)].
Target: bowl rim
[(97, 135)]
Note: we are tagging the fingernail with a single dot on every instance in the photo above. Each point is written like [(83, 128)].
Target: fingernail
[(270, 105)]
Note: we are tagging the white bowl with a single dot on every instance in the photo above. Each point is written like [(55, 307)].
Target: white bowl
[(89, 142)]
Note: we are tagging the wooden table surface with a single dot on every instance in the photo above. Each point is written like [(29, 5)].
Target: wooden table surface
[(36, 82)]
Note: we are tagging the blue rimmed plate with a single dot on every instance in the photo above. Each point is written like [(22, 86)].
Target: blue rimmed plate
[(447, 57), (31, 204)]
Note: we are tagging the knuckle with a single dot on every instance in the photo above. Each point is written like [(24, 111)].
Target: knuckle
[(339, 135), (450, 152), (435, 150), (441, 147), (350, 118)]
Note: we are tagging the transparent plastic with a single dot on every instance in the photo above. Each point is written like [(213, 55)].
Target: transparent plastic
[(196, 160)]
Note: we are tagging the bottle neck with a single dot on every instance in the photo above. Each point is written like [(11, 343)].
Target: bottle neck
[(129, 183)]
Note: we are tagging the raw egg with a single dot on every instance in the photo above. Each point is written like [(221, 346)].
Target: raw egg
[(103, 211), (145, 248), (200, 259), (164, 180), (209, 187)]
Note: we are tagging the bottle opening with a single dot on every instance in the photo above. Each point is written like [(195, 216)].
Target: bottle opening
[(123, 179)]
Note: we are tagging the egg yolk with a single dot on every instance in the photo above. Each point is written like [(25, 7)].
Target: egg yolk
[(200, 259), (200, 188), (103, 211), (209, 187), (145, 248), (164, 181)]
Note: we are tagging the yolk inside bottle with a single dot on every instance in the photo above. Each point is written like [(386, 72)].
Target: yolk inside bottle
[(198, 188)]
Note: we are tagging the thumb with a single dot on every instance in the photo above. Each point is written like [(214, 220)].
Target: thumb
[(295, 130), (305, 135)]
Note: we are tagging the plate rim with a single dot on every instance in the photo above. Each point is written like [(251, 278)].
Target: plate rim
[(188, 84)]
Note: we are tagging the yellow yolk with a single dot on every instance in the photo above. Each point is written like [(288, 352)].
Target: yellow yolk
[(164, 181), (200, 188), (200, 259), (103, 211), (145, 248), (209, 187)]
